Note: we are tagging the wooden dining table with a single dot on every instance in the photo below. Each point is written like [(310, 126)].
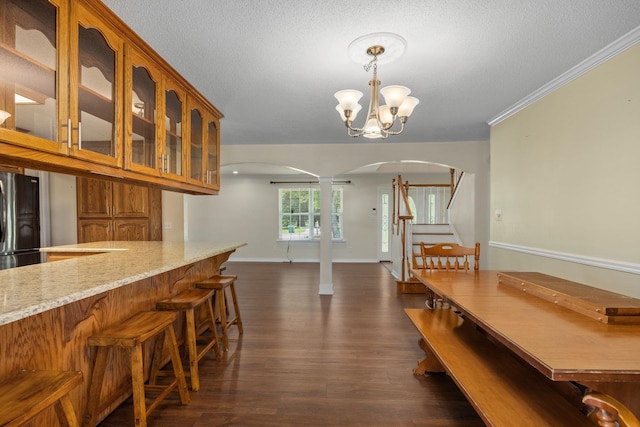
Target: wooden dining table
[(562, 344)]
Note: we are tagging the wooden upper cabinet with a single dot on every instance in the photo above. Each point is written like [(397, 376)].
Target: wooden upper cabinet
[(173, 151), (212, 155), (196, 142), (203, 145), (143, 80), (34, 73), (96, 88), (87, 96), (61, 80)]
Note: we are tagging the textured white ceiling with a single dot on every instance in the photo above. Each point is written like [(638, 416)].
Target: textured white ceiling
[(272, 66)]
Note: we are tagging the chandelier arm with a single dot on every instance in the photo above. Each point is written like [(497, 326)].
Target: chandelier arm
[(358, 132), (399, 131)]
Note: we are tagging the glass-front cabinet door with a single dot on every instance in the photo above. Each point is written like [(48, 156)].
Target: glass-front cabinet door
[(203, 145), (96, 90), (172, 159), (196, 142), (142, 80), (32, 72), (212, 163)]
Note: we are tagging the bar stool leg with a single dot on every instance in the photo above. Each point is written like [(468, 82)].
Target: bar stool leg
[(211, 319), (156, 361), (192, 349), (66, 413), (99, 368), (238, 319), (172, 342), (137, 381), (222, 307)]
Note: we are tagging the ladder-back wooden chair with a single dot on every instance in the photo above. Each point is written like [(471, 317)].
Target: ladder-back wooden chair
[(448, 257), (609, 411)]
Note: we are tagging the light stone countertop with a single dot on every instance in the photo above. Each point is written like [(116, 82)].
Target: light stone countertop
[(33, 289)]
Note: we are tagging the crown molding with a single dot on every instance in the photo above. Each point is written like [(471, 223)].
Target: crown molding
[(603, 55), (625, 267)]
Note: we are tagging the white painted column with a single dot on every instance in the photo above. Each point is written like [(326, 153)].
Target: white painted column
[(326, 264)]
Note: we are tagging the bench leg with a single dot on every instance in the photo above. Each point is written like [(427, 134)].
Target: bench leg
[(430, 363)]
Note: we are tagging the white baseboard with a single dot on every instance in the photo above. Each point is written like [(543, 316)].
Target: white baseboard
[(316, 260)]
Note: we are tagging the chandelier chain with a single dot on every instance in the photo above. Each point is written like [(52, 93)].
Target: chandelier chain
[(373, 62)]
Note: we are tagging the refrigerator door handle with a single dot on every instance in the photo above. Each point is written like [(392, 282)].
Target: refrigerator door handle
[(3, 212)]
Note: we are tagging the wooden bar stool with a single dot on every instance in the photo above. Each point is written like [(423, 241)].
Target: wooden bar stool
[(188, 301), (25, 395), (132, 334), (219, 284)]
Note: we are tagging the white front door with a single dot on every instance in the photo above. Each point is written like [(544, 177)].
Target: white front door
[(384, 223)]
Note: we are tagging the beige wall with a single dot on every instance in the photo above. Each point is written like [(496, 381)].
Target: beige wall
[(462, 211), (62, 208), (172, 217), (565, 173)]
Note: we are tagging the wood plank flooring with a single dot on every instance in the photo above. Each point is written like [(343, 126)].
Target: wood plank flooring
[(311, 360)]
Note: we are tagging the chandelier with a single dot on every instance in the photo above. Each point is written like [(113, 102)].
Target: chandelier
[(399, 105)]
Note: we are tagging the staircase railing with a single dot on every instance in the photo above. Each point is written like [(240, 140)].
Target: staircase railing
[(456, 177), (402, 215)]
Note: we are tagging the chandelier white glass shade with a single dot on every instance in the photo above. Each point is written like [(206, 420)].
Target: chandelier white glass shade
[(380, 119)]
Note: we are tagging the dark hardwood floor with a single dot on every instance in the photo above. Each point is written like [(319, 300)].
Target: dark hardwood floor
[(310, 360)]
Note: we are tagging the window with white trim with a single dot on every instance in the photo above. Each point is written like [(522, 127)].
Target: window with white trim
[(299, 213)]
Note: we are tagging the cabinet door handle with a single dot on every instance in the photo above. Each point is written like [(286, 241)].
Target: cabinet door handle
[(79, 135), (68, 126)]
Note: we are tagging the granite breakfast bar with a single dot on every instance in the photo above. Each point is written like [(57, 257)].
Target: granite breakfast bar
[(47, 311)]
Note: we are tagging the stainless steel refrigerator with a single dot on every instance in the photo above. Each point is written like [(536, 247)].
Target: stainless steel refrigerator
[(19, 220)]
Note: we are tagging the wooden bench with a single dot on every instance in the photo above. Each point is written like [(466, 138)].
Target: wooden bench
[(504, 391)]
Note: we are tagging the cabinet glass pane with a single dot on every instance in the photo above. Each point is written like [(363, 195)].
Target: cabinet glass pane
[(143, 118), (28, 66), (96, 106), (173, 129), (196, 145), (212, 153)]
